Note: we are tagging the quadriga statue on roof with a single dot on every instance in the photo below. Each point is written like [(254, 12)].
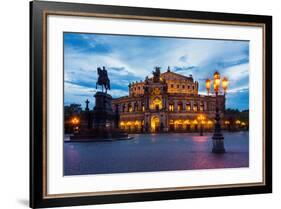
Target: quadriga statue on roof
[(156, 75)]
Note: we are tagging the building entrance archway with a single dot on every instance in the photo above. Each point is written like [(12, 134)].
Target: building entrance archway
[(155, 124)]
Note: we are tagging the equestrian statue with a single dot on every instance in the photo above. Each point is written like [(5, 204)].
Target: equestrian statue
[(103, 79)]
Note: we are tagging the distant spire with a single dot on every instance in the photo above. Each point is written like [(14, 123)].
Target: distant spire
[(87, 105), (168, 70)]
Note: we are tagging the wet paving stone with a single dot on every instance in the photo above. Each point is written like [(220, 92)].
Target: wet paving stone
[(155, 152)]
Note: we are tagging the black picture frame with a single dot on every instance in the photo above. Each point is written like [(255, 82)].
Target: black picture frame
[(38, 12)]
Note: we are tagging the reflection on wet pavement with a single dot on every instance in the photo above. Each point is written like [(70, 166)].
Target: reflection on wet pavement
[(155, 152)]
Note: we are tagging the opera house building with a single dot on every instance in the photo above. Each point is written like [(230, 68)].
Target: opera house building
[(166, 102)]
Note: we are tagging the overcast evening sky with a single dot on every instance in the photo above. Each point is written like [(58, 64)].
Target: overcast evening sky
[(132, 58)]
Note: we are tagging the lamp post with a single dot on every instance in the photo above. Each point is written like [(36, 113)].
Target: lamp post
[(218, 139), (201, 118), (75, 121)]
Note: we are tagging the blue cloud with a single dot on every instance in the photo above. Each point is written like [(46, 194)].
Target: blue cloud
[(238, 100), (132, 58), (85, 45)]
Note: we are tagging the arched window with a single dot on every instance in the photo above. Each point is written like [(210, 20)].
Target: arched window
[(188, 106), (171, 125), (171, 106), (142, 107), (156, 104), (201, 106), (135, 106), (195, 107), (130, 108), (180, 106)]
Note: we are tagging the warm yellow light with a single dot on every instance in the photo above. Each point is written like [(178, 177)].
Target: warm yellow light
[(226, 122), (238, 122), (208, 85), (171, 107), (122, 123), (216, 85), (224, 83), (154, 123), (75, 121), (178, 122), (194, 108), (187, 122), (216, 75), (201, 117), (156, 103), (216, 81), (195, 122), (210, 122), (243, 123)]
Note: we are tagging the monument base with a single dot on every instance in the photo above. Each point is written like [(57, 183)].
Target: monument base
[(103, 123), (218, 143)]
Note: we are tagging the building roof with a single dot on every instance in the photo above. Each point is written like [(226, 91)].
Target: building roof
[(167, 73)]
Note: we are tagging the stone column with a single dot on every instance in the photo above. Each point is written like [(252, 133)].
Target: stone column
[(167, 104), (127, 107), (191, 105), (175, 105), (184, 105), (133, 106), (137, 106), (147, 103)]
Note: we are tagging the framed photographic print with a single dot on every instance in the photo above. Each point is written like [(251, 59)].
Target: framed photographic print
[(140, 104)]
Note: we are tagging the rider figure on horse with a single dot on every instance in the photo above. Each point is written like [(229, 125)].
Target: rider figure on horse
[(103, 79)]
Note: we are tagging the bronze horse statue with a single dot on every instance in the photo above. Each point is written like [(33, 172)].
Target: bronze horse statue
[(103, 79)]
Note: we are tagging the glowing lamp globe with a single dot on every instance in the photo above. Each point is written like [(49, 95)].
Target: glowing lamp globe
[(216, 81), (208, 85), (224, 84)]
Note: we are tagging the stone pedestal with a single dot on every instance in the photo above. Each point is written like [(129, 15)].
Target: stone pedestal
[(103, 116), (218, 143)]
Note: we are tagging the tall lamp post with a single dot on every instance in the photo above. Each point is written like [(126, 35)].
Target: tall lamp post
[(218, 139)]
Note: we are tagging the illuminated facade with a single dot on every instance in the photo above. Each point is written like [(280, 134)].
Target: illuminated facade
[(166, 102)]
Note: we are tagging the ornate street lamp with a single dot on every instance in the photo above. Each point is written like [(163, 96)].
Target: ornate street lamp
[(218, 139), (201, 118)]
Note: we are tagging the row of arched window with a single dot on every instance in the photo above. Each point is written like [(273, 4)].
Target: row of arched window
[(133, 107), (180, 106), (172, 107)]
